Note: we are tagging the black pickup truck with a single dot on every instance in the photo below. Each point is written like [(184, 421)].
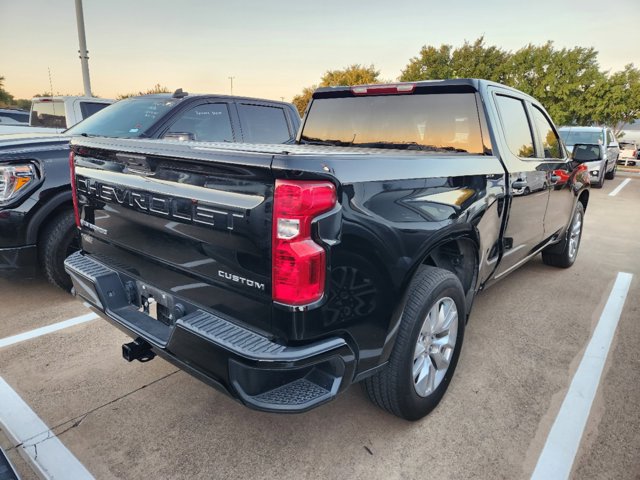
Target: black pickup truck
[(282, 274), (37, 227)]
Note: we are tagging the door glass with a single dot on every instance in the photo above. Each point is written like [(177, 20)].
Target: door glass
[(205, 123), (89, 108), (516, 126), (548, 136), (262, 124)]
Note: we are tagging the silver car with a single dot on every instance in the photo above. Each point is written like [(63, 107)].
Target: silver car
[(603, 136)]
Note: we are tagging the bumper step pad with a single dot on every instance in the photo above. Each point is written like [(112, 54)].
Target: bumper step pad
[(299, 392)]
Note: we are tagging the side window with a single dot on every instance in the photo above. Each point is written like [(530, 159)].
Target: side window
[(262, 124), (516, 126), (89, 108), (205, 123), (548, 136), (610, 138)]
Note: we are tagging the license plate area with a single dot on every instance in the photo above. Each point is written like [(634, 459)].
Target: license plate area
[(156, 303)]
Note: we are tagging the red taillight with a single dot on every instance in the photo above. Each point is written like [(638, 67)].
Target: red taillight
[(299, 263), (74, 192), (383, 89)]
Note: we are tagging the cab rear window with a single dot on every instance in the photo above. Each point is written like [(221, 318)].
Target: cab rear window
[(48, 114), (442, 122)]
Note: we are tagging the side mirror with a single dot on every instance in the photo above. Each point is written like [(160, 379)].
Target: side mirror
[(179, 136), (613, 145), (586, 152)]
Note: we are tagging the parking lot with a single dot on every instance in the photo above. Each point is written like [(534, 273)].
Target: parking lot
[(525, 340)]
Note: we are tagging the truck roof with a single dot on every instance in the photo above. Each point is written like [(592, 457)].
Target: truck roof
[(582, 129), (206, 95), (71, 97), (476, 84)]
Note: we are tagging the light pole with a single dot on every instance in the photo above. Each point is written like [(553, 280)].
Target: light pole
[(231, 78), (84, 53)]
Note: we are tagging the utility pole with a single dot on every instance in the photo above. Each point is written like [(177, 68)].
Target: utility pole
[(84, 53), (231, 78)]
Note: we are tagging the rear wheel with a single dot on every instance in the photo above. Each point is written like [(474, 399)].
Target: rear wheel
[(427, 347), (58, 240), (564, 254)]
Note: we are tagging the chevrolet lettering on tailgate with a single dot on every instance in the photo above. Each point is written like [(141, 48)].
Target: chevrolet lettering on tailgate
[(179, 209)]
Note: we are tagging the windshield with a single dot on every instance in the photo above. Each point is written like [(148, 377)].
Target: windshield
[(571, 137), (125, 119), (443, 122)]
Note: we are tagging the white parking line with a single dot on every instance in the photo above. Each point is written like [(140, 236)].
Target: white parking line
[(559, 452), (36, 442), (616, 190), (21, 337)]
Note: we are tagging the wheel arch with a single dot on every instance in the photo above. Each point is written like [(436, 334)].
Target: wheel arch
[(61, 201), (457, 252), (584, 198)]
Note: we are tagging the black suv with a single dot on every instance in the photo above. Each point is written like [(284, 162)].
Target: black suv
[(37, 227)]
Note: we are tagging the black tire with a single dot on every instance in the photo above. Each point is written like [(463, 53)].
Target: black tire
[(560, 255), (612, 174), (393, 389), (58, 240)]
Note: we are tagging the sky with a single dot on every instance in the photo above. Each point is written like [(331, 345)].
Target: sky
[(275, 48)]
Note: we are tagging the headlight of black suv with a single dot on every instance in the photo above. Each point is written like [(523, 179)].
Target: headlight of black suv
[(15, 179)]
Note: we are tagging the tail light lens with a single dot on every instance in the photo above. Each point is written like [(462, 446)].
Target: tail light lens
[(299, 263), (74, 191)]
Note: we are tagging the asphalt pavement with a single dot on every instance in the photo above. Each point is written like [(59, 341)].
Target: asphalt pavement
[(525, 339)]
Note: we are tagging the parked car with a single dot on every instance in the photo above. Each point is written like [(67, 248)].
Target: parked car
[(606, 168), (629, 153), (37, 225), (13, 116), (56, 114), (282, 274)]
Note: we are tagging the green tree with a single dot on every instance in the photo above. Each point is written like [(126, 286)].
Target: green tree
[(559, 79), (23, 103), (471, 60), (6, 98), (614, 100), (355, 74), (157, 88)]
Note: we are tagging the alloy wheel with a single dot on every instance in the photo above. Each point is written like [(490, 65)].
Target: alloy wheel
[(435, 346)]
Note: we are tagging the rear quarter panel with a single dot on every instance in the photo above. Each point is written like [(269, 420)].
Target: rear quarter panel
[(394, 210)]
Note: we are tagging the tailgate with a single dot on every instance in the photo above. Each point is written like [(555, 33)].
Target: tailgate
[(196, 228)]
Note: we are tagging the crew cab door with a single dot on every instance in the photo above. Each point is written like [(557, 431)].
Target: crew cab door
[(527, 180), (559, 169)]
